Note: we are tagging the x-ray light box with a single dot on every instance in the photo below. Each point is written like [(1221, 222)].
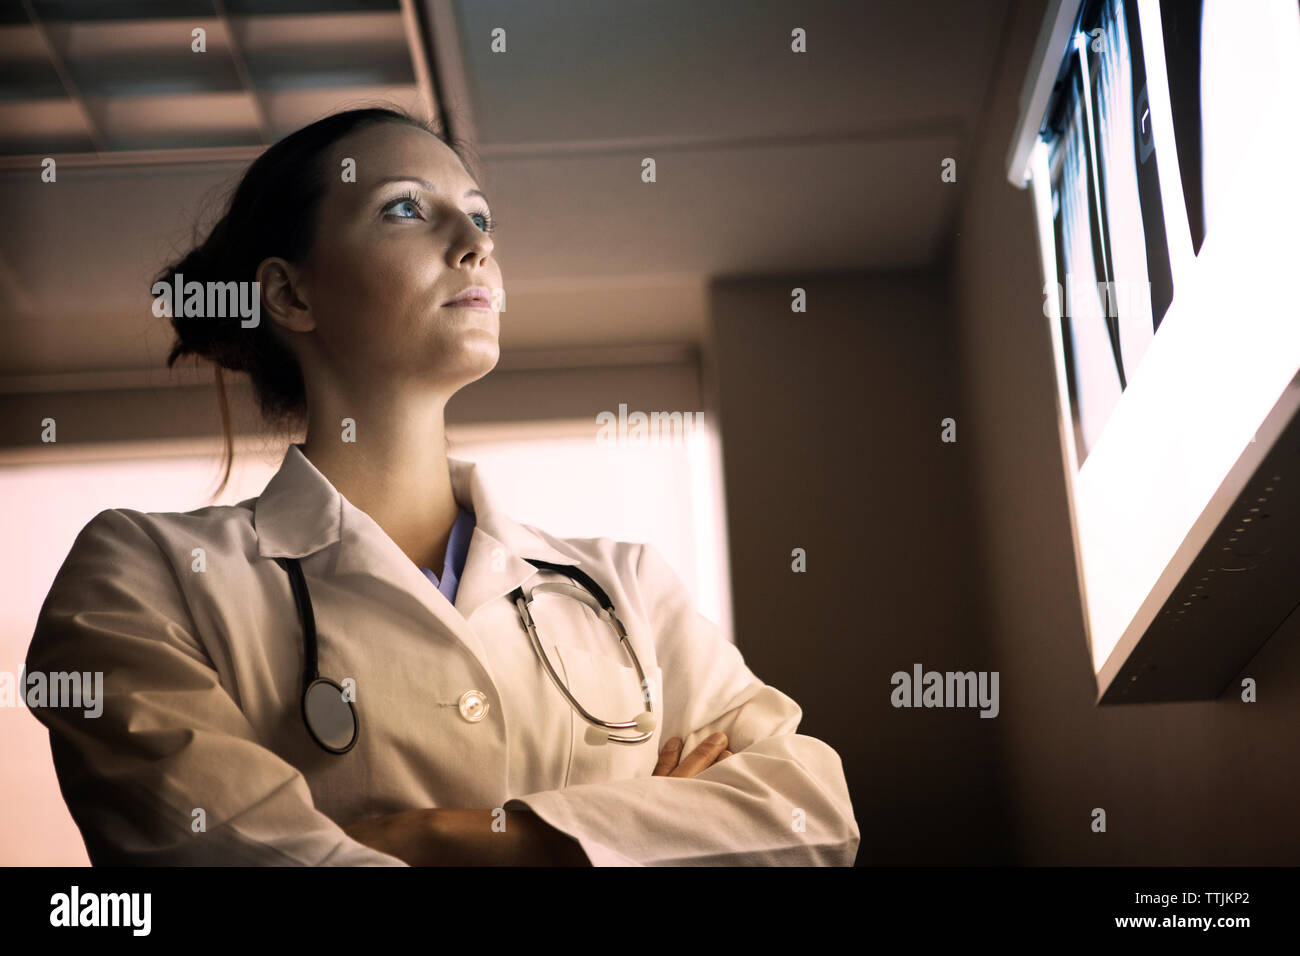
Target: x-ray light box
[(1158, 139)]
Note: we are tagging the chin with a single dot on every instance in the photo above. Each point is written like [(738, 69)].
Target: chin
[(478, 356)]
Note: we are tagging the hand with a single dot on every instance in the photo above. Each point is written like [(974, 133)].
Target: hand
[(456, 837), (701, 758), (408, 835)]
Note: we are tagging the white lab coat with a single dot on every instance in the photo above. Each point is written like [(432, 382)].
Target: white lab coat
[(203, 681)]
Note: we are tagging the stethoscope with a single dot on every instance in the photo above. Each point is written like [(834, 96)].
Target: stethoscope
[(331, 715)]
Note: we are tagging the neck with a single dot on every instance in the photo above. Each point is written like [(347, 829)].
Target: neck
[(394, 468)]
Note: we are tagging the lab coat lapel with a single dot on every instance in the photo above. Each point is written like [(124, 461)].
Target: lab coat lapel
[(300, 513), (495, 564)]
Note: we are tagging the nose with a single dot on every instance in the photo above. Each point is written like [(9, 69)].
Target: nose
[(471, 246)]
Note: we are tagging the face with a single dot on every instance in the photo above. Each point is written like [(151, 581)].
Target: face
[(392, 249)]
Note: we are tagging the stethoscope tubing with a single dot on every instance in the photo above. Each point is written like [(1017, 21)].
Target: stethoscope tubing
[(606, 611), (301, 597)]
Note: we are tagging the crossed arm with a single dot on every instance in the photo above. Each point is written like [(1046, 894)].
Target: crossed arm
[(453, 837)]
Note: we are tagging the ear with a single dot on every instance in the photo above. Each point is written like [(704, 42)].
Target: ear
[(284, 295)]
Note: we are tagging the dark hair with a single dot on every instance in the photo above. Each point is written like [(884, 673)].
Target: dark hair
[(272, 212)]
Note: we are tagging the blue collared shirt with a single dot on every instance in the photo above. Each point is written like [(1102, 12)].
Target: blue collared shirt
[(457, 550)]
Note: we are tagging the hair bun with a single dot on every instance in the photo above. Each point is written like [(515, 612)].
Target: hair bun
[(220, 339)]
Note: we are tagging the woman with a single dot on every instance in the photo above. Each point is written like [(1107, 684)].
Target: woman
[(362, 230)]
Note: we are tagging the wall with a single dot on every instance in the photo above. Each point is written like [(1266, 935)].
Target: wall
[(831, 442), (1209, 783)]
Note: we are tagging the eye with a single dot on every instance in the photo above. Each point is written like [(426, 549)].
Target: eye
[(489, 224), (410, 199)]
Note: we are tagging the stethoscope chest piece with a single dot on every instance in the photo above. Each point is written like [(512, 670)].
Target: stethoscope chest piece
[(331, 719)]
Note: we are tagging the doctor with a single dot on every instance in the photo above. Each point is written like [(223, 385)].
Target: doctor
[(465, 750)]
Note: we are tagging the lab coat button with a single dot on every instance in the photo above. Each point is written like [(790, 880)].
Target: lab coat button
[(473, 705)]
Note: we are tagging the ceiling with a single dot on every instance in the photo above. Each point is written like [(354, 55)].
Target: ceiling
[(768, 162), (118, 75)]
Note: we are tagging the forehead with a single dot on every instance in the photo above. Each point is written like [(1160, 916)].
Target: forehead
[(385, 150)]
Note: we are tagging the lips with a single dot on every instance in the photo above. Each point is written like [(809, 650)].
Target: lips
[(475, 297)]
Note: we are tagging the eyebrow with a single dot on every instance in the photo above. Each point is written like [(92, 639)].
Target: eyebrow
[(426, 184)]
